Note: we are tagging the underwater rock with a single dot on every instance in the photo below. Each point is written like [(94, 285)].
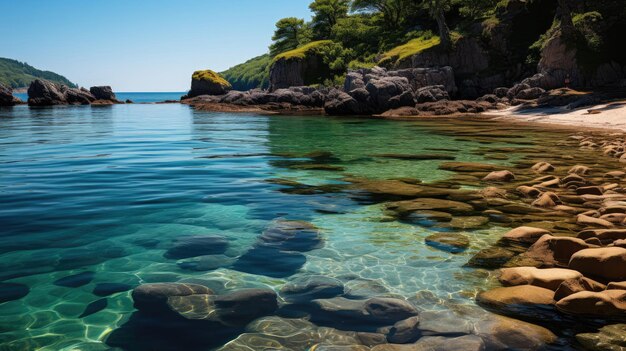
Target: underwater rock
[(106, 289), (12, 291), (152, 298), (282, 264), (76, 280), (307, 288), (549, 278), (444, 323), (292, 236), (608, 338), (234, 309), (504, 333), (193, 246), (206, 263), (405, 208), (94, 307), (405, 331), (450, 242), (492, 257), (361, 315)]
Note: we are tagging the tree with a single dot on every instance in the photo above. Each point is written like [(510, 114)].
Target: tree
[(326, 13), (287, 35), (394, 11), (437, 10)]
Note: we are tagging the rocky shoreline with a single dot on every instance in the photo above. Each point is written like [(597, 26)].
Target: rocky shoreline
[(45, 93), (559, 269)]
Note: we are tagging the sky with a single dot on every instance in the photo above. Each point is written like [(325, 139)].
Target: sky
[(139, 45)]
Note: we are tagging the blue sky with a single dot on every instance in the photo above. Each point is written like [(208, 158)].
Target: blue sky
[(139, 45)]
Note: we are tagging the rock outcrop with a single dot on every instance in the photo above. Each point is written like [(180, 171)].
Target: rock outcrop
[(103, 93), (45, 93), (376, 90), (6, 96), (207, 82)]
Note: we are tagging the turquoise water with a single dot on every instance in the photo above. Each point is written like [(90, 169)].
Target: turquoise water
[(137, 97), (107, 189)]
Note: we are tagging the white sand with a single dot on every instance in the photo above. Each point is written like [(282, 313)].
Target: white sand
[(605, 116)]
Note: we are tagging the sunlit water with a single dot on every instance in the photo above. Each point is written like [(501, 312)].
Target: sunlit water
[(107, 189)]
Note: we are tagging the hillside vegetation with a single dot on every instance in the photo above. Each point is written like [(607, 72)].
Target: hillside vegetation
[(365, 33), (19, 74)]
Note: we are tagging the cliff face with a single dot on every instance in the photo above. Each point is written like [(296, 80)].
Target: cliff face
[(301, 66)]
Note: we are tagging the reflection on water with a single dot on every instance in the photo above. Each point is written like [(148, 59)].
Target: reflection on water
[(101, 194)]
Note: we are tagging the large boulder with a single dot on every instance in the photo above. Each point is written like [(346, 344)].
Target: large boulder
[(604, 304), (361, 314), (153, 298), (103, 93), (606, 263), (75, 96), (45, 93), (6, 96), (549, 278), (552, 251), (522, 301), (208, 82), (524, 235)]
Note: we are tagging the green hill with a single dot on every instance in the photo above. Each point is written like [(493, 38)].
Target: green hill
[(19, 74), (251, 74)]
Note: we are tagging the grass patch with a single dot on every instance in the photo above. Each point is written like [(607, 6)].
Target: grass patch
[(411, 48), (303, 51), (210, 76)]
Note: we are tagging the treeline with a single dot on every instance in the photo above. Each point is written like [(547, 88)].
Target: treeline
[(20, 74), (363, 31)]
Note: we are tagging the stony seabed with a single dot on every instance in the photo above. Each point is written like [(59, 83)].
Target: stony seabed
[(157, 227)]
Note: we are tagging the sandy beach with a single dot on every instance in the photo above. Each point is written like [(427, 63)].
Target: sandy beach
[(603, 116)]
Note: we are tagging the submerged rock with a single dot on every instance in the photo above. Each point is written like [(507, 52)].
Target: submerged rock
[(608, 338), (76, 280), (450, 242), (307, 288), (193, 246), (106, 289), (12, 291), (153, 298), (94, 307)]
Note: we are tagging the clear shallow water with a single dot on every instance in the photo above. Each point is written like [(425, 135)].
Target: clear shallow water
[(107, 190), (137, 97)]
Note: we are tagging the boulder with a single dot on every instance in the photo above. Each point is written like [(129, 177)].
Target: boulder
[(528, 191), (359, 314), (6, 96), (499, 176), (503, 333), (45, 93), (523, 300), (607, 263), (405, 331), (549, 278), (551, 251), (103, 93), (307, 288), (572, 286), (431, 94), (234, 309), (77, 96), (542, 167), (208, 82), (608, 338), (152, 298), (547, 200), (605, 304), (524, 235), (493, 257), (530, 93), (450, 242)]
